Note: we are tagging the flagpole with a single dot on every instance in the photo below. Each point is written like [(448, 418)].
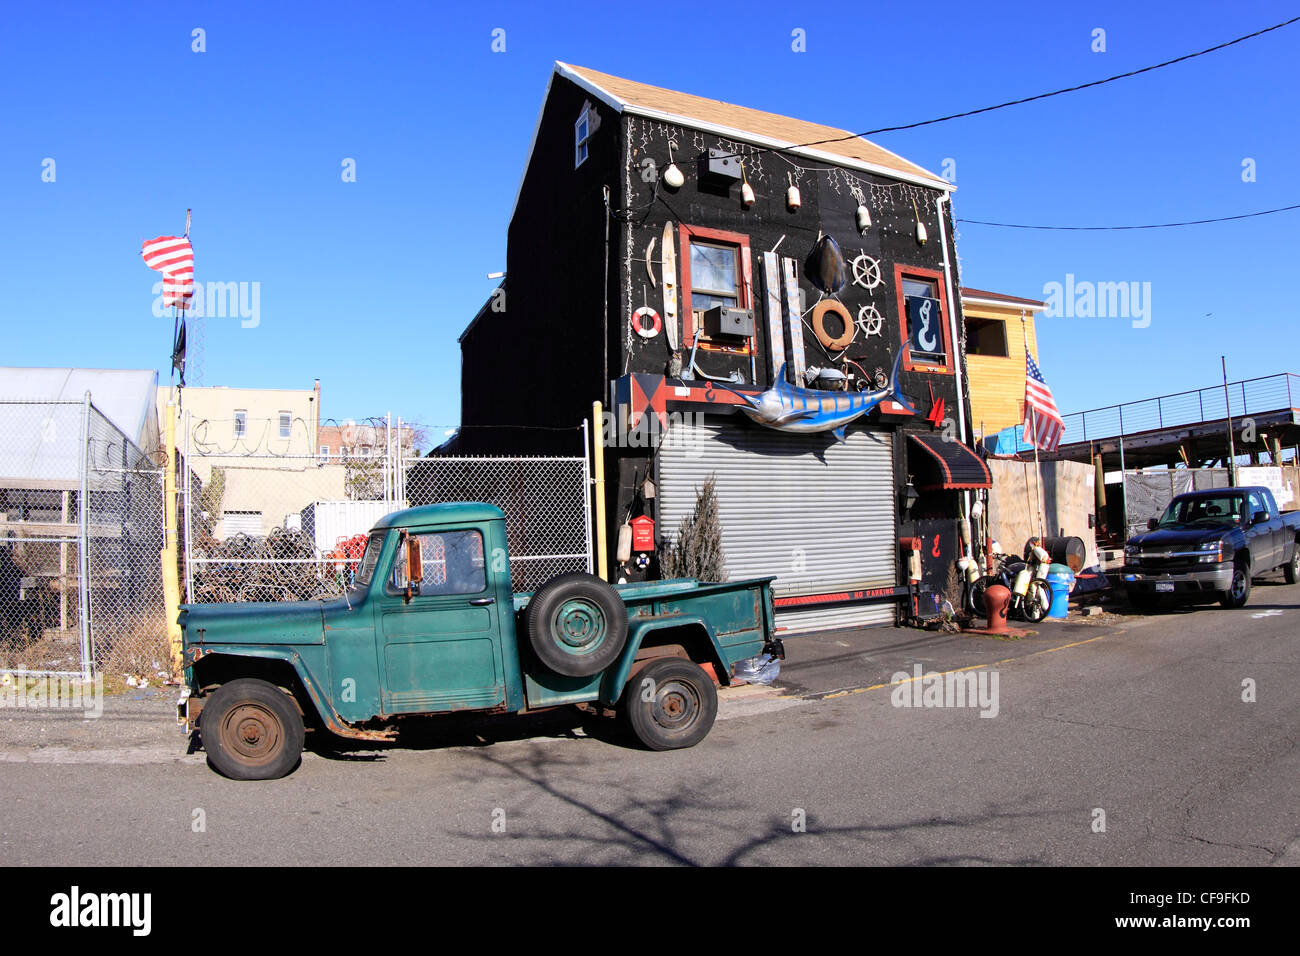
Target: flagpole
[(1038, 483)]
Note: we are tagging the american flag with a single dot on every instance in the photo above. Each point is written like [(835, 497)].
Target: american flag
[(173, 256), (1043, 424)]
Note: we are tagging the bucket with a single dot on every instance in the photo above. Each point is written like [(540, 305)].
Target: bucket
[(1060, 579)]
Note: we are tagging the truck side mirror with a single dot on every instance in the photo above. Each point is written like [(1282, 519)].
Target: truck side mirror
[(1152, 524), (1259, 517)]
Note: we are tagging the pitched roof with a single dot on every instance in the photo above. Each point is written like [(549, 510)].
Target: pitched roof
[(748, 125)]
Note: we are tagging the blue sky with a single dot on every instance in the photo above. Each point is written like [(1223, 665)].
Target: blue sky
[(366, 285)]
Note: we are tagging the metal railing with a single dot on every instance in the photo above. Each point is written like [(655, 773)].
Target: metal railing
[(1252, 395)]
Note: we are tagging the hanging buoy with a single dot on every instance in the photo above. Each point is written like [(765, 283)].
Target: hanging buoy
[(863, 218), (747, 195), (646, 331), (792, 198), (673, 177), (921, 235)]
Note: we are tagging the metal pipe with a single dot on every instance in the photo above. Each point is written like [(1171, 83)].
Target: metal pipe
[(83, 591), (1232, 449)]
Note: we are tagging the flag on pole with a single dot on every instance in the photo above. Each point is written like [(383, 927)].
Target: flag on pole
[(173, 256), (1043, 424)]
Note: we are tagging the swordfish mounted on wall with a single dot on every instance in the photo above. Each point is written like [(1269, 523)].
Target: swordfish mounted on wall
[(788, 408)]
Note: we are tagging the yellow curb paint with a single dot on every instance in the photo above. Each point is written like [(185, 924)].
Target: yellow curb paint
[(972, 667)]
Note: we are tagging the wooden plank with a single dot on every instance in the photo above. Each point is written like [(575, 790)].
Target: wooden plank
[(793, 323), (772, 303)]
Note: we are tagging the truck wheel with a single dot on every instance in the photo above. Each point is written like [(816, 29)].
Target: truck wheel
[(251, 730), (577, 624), (1292, 570), (1239, 593), (670, 704)]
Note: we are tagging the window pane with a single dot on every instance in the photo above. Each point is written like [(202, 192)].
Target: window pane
[(713, 269), (453, 564)]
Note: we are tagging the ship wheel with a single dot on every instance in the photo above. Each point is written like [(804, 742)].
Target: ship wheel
[(870, 320), (866, 272)]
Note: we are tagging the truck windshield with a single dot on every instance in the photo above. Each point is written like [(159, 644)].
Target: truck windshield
[(1222, 511), (366, 570)]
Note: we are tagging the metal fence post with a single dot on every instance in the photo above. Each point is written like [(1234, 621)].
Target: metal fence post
[(83, 589)]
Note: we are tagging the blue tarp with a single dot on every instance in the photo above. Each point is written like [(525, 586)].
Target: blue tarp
[(1008, 442)]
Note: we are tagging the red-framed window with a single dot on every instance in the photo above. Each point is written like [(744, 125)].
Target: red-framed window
[(716, 270), (923, 320)]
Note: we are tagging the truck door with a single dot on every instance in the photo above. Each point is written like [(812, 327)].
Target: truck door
[(441, 649), (1263, 537)]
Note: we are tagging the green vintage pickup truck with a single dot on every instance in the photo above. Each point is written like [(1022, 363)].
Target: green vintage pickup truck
[(432, 626)]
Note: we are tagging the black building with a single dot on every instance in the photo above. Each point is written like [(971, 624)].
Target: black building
[(658, 261)]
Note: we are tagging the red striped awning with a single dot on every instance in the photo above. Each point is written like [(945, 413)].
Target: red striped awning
[(948, 465)]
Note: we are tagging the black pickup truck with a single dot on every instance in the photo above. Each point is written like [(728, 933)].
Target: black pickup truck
[(1209, 544)]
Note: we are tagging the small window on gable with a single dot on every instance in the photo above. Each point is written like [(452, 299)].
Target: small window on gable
[(241, 423), (286, 424), (582, 131)]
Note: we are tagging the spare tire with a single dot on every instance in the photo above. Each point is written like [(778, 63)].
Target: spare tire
[(577, 624)]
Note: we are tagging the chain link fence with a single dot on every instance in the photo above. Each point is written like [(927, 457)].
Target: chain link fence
[(80, 541), (81, 530), (263, 527), (548, 519)]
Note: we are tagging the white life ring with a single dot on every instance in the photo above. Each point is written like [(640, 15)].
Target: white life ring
[(656, 324)]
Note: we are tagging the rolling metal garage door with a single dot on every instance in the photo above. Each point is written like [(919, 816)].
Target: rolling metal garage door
[(816, 513)]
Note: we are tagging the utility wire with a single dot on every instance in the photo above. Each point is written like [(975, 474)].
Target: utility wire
[(1040, 96), (1155, 225)]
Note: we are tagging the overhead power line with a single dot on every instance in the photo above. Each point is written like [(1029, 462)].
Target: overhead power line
[(1068, 89), (1154, 225)]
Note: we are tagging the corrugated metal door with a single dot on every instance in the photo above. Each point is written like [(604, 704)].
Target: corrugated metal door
[(816, 513)]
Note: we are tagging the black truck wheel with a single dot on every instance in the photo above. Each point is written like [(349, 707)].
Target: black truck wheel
[(670, 704), (1239, 593), (251, 730), (1292, 570), (577, 625)]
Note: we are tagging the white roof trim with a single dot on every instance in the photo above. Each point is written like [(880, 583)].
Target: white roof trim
[(1002, 304), (758, 140)]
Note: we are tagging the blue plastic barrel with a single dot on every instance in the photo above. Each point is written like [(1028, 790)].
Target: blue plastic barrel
[(1060, 579)]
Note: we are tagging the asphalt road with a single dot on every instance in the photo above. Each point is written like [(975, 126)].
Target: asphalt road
[(1141, 719)]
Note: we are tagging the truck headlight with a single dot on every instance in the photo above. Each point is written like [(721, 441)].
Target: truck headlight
[(1213, 552)]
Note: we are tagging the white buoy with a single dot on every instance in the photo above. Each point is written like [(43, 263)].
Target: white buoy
[(673, 177), (747, 195), (921, 235), (792, 198), (864, 218)]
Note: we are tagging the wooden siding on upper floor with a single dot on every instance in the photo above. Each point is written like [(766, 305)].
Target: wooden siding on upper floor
[(997, 385)]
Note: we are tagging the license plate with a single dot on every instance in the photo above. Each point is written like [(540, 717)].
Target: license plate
[(1164, 585)]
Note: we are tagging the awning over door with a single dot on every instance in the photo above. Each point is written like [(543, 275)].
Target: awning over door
[(947, 465)]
